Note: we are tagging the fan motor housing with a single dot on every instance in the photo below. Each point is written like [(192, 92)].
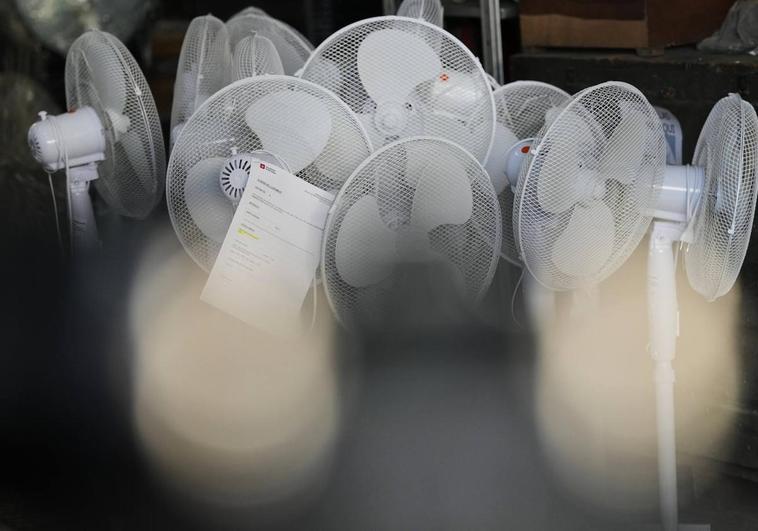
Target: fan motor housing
[(75, 138)]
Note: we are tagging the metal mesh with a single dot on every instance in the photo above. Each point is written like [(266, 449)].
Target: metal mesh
[(429, 10), (132, 176), (255, 56), (219, 125), (724, 218), (58, 23), (455, 103), (250, 10), (204, 66), (573, 171), (471, 248), (521, 107), (293, 48)]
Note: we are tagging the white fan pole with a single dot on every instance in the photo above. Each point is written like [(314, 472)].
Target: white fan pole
[(83, 228), (663, 323)]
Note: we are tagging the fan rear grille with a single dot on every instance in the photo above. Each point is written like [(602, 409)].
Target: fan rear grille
[(334, 64), (723, 223), (255, 56), (472, 248), (521, 108), (132, 176), (429, 10), (204, 66), (573, 153), (219, 125), (293, 48)]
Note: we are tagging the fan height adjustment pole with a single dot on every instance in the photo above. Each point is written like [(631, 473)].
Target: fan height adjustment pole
[(662, 315), (83, 228)]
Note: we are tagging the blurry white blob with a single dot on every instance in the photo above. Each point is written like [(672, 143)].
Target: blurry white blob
[(596, 401), (224, 413)]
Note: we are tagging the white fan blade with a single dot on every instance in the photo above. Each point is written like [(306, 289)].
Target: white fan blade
[(621, 161), (295, 126), (377, 138), (443, 194), (504, 140), (586, 244), (451, 128), (211, 210), (414, 61), (365, 248), (109, 80), (137, 154)]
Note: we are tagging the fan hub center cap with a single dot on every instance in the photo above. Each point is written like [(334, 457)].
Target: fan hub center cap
[(391, 118)]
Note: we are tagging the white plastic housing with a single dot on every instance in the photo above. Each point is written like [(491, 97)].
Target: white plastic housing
[(77, 136), (516, 156), (83, 226), (682, 186)]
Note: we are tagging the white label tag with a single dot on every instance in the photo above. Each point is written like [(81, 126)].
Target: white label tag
[(271, 251)]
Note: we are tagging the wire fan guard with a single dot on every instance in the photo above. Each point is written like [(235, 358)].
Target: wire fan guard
[(429, 10), (723, 221), (294, 49), (405, 77), (586, 193), (255, 56), (102, 74), (307, 127), (521, 109), (204, 66), (416, 200)]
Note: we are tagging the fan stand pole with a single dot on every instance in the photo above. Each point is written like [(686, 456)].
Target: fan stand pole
[(83, 228)]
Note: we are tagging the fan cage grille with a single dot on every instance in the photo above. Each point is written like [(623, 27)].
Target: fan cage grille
[(132, 176), (724, 219), (334, 64), (219, 125), (521, 107), (429, 10), (255, 56), (293, 48), (473, 247), (204, 66), (577, 145)]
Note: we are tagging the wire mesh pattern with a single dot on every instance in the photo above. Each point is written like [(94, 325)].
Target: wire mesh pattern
[(371, 63), (219, 128), (391, 181), (587, 190), (429, 10), (250, 10), (204, 66), (521, 108), (255, 56), (723, 222), (102, 74), (294, 49)]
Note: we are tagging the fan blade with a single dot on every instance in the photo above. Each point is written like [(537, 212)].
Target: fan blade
[(443, 193), (137, 154), (504, 140), (211, 210), (109, 80), (451, 128), (620, 162), (586, 244), (377, 138), (413, 61), (295, 126), (365, 247)]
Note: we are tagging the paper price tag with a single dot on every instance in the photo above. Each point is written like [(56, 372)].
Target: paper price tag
[(271, 251)]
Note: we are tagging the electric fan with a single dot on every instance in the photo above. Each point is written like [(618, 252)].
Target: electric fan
[(255, 55), (429, 10), (523, 108), (293, 48), (406, 77), (250, 10), (204, 68), (57, 23), (591, 185), (422, 201), (281, 120), (111, 135)]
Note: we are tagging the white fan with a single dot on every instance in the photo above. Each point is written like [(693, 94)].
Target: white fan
[(111, 135), (277, 119), (589, 188), (429, 10), (293, 48), (204, 68), (405, 77), (416, 201), (250, 10), (58, 23), (255, 55)]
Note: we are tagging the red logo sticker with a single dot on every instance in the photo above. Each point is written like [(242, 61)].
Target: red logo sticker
[(263, 166), (444, 77), (525, 149)]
